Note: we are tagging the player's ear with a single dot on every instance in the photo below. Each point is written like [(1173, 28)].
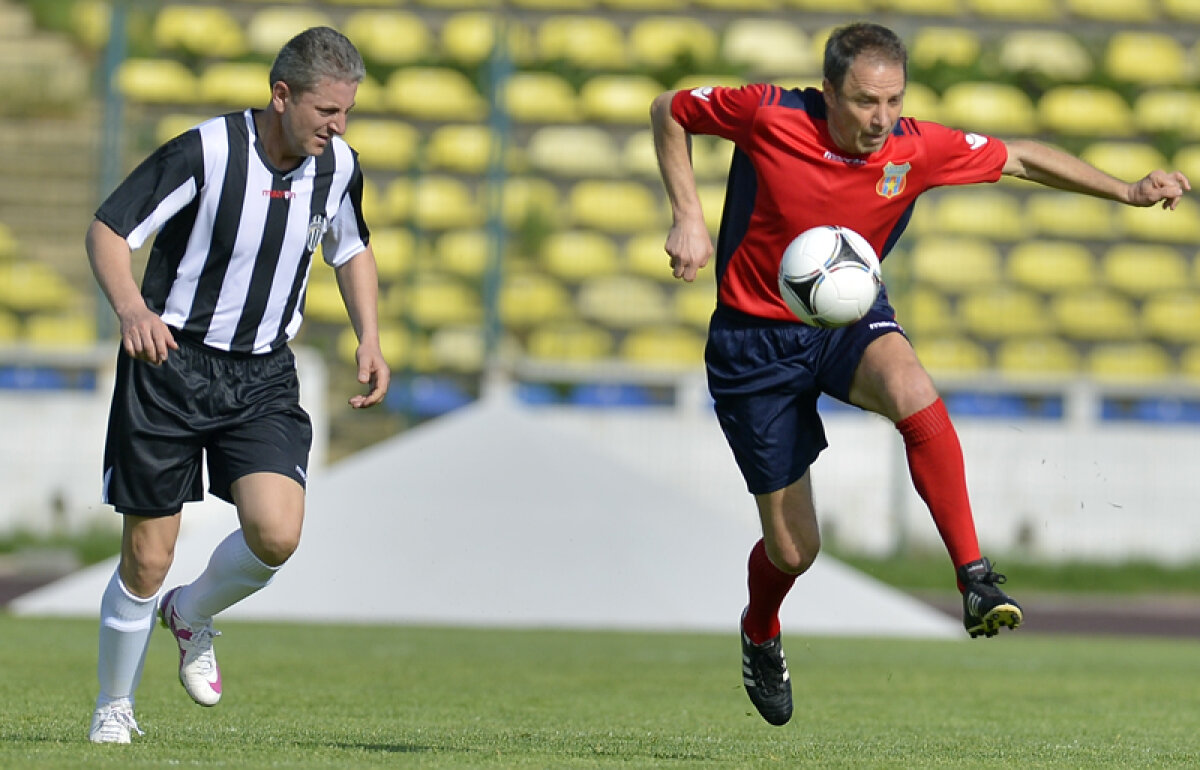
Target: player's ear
[(280, 93), (828, 91)]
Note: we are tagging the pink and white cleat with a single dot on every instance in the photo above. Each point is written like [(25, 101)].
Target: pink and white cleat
[(198, 669)]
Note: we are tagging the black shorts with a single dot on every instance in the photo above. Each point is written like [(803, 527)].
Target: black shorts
[(243, 412)]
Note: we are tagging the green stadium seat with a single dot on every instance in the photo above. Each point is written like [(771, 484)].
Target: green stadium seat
[(1054, 53), (395, 251), (434, 93), (622, 301), (1095, 315), (944, 46), (955, 264), (658, 41), (1140, 269), (1024, 11), (577, 255), (769, 47), (1122, 11), (663, 346), (617, 206), (1085, 111), (619, 98), (923, 310), (1168, 111), (986, 212), (531, 299), (1173, 316), (1128, 361), (692, 304), (236, 84), (389, 37), (468, 38), (1002, 312), (573, 151), (542, 97), (383, 144), (526, 198), (1050, 266), (465, 148), (1069, 215), (572, 342), (1146, 59), (951, 355), (442, 202), (199, 30), (269, 28), (1037, 356), (1156, 224), (1126, 160), (161, 81), (588, 42), (995, 108)]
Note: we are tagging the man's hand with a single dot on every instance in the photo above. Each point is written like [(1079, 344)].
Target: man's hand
[(1159, 185), (373, 371), (145, 336), (689, 247)]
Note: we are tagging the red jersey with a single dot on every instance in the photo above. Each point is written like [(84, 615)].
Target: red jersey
[(787, 175)]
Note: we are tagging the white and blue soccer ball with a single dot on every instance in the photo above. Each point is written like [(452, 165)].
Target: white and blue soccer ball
[(829, 276)]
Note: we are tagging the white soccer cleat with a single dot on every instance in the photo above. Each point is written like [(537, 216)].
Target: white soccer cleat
[(113, 722), (198, 669)]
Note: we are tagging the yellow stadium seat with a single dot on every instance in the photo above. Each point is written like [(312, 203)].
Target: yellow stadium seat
[(1129, 11), (694, 80), (573, 151), (323, 300), (1051, 266), (832, 6), (398, 199), (1055, 53), (921, 7), (622, 301), (1093, 315), (712, 203), (269, 28), (665, 346), (739, 6), (951, 355), (922, 102), (395, 251), (1187, 160), (541, 97), (645, 6), (554, 5), (1044, 356), (1181, 10), (1146, 58), (161, 81), (29, 287), (955, 263), (10, 328), (1068, 215), (434, 93), (619, 98), (1189, 363), (944, 46), (1128, 361), (402, 349), (530, 299), (200, 30), (572, 342), (1156, 224), (1125, 160), (588, 42), (465, 253), (172, 125), (1015, 10), (658, 41), (1141, 269), (617, 206), (576, 255), (458, 348), (526, 198), (987, 213), (383, 144), (769, 46), (638, 157), (693, 303), (1168, 110), (236, 84), (389, 37), (646, 255), (466, 148), (8, 242), (923, 311), (1173, 316), (441, 202), (372, 204), (998, 313), (988, 107), (711, 157), (468, 37), (1085, 111), (56, 331), (434, 299)]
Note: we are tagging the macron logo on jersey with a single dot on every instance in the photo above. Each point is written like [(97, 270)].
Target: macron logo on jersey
[(702, 92), (975, 141)]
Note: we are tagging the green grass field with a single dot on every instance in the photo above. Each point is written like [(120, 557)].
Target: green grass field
[(324, 696)]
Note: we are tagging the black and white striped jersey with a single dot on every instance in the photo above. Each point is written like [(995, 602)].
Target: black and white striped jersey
[(236, 237)]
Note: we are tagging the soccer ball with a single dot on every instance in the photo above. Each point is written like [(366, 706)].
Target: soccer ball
[(829, 276)]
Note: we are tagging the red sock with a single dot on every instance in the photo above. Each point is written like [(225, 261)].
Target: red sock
[(935, 462), (768, 585)]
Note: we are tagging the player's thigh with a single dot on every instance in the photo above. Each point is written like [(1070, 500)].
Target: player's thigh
[(890, 380)]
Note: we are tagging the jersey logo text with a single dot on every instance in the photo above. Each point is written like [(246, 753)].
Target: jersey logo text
[(848, 161), (893, 181)]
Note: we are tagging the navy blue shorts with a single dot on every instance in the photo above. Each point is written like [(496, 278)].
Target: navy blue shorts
[(765, 377), (242, 411)]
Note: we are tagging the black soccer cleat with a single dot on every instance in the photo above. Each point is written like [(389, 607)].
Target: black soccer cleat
[(765, 674), (986, 609)]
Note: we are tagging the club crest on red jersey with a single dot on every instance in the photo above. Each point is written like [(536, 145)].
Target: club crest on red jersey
[(893, 180)]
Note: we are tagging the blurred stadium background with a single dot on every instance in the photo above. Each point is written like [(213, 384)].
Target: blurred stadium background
[(518, 222)]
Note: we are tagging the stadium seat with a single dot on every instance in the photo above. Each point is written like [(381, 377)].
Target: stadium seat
[(389, 37), (693, 303), (554, 5), (60, 330), (739, 6), (1140, 269), (954, 264), (1045, 356), (1146, 59), (434, 299), (1002, 312), (617, 206), (542, 97), (1168, 110), (1181, 10), (1015, 10), (395, 251), (269, 28), (8, 242), (986, 213), (577, 255), (944, 46), (1085, 111), (34, 287), (573, 151), (10, 328), (442, 202), (173, 124), (663, 346), (1125, 160), (769, 47), (1053, 53), (587, 42), (1156, 224), (1128, 361), (398, 200), (951, 355), (1068, 215), (161, 81), (646, 256), (236, 84), (1173, 316), (832, 6), (531, 299), (922, 310), (1050, 266), (468, 38), (386, 145), (1095, 315), (639, 159), (694, 80), (465, 148), (199, 30), (921, 7), (434, 93), (1125, 11), (464, 253), (619, 98), (659, 41), (323, 299), (527, 198), (1187, 160), (622, 301), (712, 203), (994, 108), (463, 348), (922, 102), (571, 342)]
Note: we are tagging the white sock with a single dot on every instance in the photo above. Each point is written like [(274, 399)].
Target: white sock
[(126, 622), (232, 574)]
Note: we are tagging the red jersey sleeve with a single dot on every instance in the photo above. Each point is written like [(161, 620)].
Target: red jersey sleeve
[(960, 157), (724, 112)]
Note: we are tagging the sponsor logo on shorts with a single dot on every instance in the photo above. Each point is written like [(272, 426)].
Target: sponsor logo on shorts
[(301, 473), (883, 325)]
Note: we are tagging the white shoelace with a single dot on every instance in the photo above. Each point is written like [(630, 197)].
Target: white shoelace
[(116, 719)]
